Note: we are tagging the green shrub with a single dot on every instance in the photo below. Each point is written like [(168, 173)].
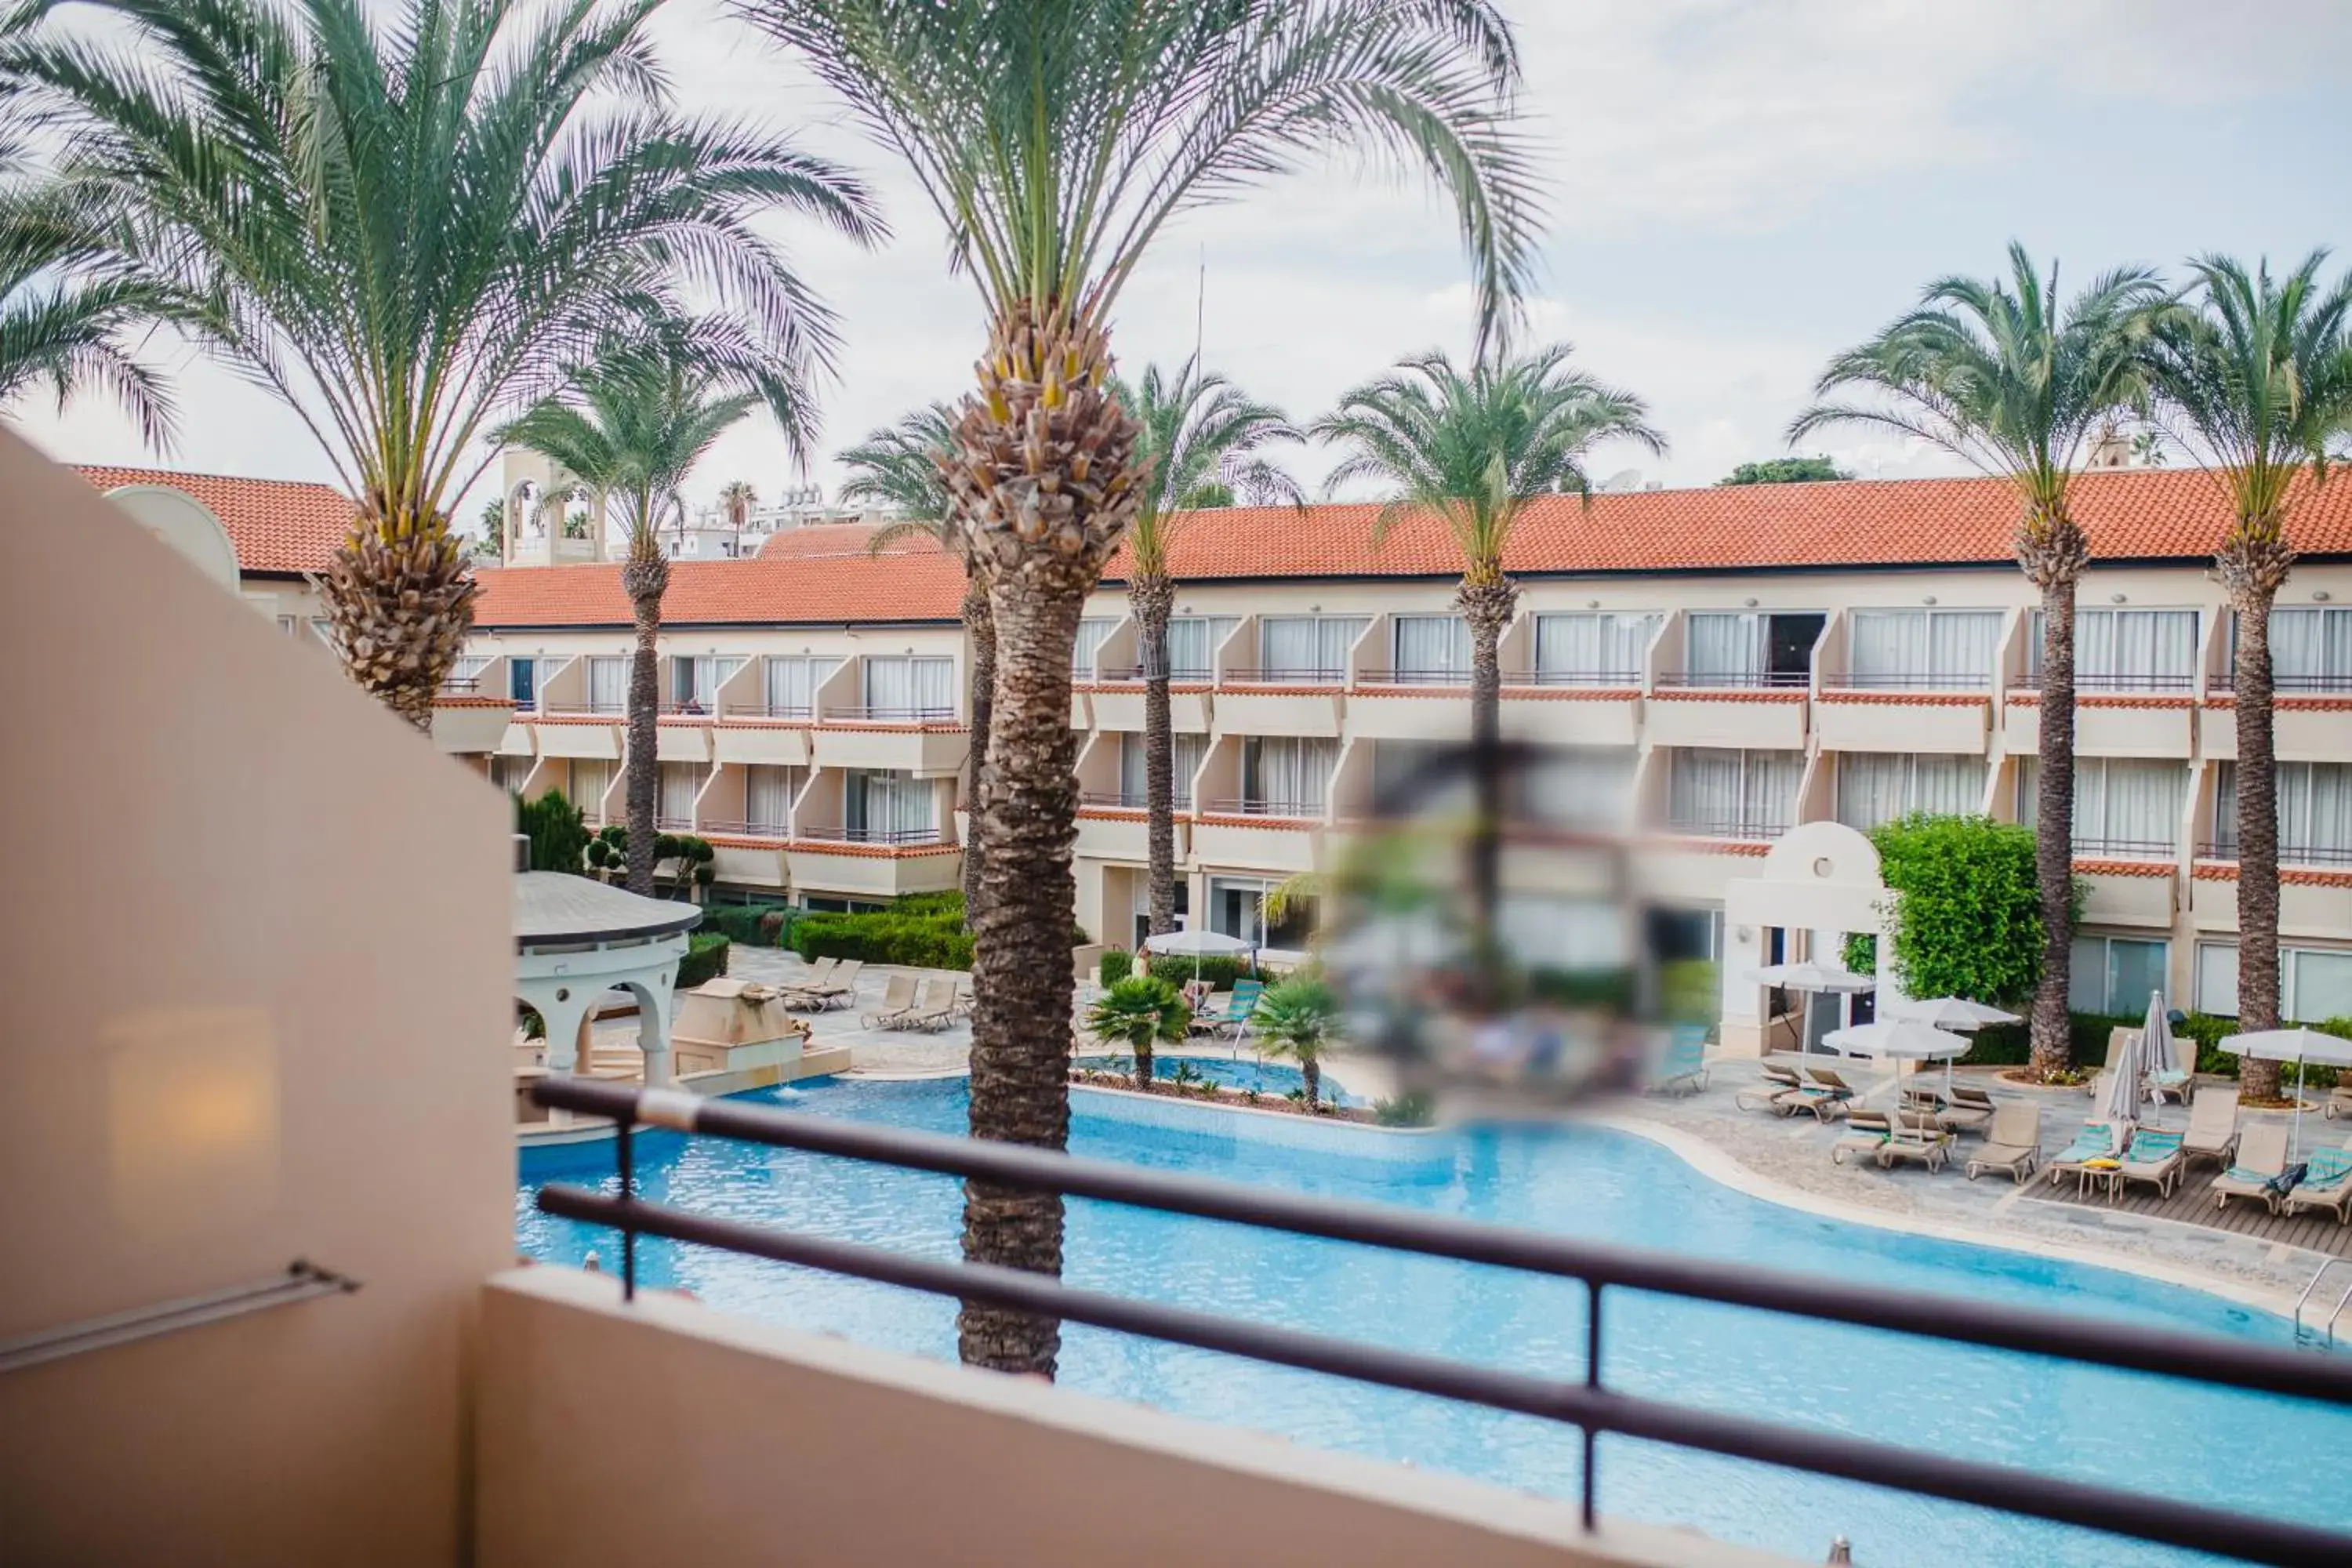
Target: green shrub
[(559, 839), (744, 923), (1117, 964), (1176, 968), (1414, 1108), (1610, 989), (705, 959), (1690, 991), (1969, 919), (929, 934)]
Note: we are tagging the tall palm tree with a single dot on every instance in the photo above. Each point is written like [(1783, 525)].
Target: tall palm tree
[(901, 466), (1473, 447), (67, 311), (736, 500), (1055, 139), (631, 425), (402, 223), (2254, 378), (2000, 373), (1198, 446)]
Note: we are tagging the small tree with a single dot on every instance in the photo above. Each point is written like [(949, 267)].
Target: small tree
[(1967, 913), (1785, 471), (1140, 1011), (558, 839), (1297, 1020)]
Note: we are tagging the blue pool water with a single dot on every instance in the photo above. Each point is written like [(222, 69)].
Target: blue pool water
[(1274, 1079), (2257, 1453)]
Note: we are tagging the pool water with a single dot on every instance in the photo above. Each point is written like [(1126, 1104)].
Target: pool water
[(2252, 1452), (1276, 1080)]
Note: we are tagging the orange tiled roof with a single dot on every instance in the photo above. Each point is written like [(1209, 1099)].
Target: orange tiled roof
[(277, 525), (816, 541), (2139, 514), (926, 586)]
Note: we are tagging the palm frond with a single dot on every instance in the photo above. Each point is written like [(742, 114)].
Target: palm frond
[(1202, 440)]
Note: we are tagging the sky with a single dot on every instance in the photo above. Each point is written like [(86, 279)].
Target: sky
[(1734, 190)]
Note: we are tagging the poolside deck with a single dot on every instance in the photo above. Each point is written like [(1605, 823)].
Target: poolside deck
[(2191, 1204)]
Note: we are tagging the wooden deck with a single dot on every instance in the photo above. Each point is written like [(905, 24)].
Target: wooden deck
[(2192, 1204)]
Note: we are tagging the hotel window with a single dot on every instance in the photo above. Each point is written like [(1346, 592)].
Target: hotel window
[(1924, 649), (590, 781), (608, 683), (1237, 909), (768, 791), (1288, 775), (1732, 795), (2314, 813), (1184, 754), (2311, 650), (1311, 648), (2122, 805), (1583, 788), (1433, 649), (522, 681), (510, 773), (694, 682), (2116, 974), (1092, 635), (1193, 645), (1420, 779), (1604, 650), (1874, 788), (889, 807), (681, 784), (792, 681), (909, 688), (2126, 650), (2314, 982), (465, 672), (1744, 649)]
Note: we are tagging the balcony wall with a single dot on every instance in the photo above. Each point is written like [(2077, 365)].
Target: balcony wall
[(1286, 710), (682, 739), (1245, 844), (470, 726), (930, 753), (743, 862), (1749, 720), (1120, 707), (1901, 722), (1119, 835), (1409, 713), (590, 738), (873, 871), (1571, 716), (783, 744), (2312, 903), (2108, 725), (741, 1435), (2303, 729), (2122, 893)]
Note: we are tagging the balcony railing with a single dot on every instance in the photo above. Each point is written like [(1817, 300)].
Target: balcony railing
[(890, 835), (1182, 674), (1594, 678), (1738, 680), (1588, 1404), (1291, 810), (891, 714), (591, 707), (674, 824), (777, 830), (2322, 855), (1882, 681), (2125, 849), (1287, 675), (2297, 684), (1415, 677), (1755, 829), (803, 711), (461, 685), (2106, 683)]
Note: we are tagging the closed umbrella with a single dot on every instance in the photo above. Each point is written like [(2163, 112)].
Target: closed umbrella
[(2160, 1051), (1813, 978), (2297, 1046), (2119, 1096)]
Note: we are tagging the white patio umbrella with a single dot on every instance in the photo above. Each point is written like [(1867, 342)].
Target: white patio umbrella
[(1813, 978), (1949, 1013), (2119, 1094), (1202, 943), (2159, 1052), (2297, 1046), (1901, 1039)]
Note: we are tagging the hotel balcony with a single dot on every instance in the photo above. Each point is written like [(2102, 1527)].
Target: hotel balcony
[(876, 863), (2114, 716), (1115, 827), (1759, 712), (1408, 705), (469, 720), (1116, 697), (1903, 713), (2315, 890), (755, 732), (2129, 882), (1572, 707), (1279, 836), (930, 743), (2311, 719), (1280, 701)]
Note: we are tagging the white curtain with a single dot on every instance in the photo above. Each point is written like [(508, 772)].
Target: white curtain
[(890, 806), (792, 681), (2126, 803), (1431, 645), (1725, 645), (1592, 648), (1579, 787), (1092, 634), (768, 793), (2129, 648), (590, 780), (2315, 811), (1307, 647), (466, 667), (2217, 979), (1920, 647), (1711, 790), (2318, 985), (910, 688), (608, 685), (680, 782), (2311, 649), (1184, 753), (1949, 785), (1870, 788), (1288, 776), (1193, 645), (1768, 789)]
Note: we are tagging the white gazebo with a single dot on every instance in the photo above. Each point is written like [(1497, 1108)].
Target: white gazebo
[(1821, 878), (576, 937)]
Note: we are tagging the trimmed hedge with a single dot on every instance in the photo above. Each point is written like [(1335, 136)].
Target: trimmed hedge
[(2008, 1044), (922, 931), (749, 924), (705, 959), (1176, 968), (1117, 964)]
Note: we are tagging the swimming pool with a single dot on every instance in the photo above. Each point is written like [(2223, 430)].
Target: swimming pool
[(2248, 1451), (1276, 1078)]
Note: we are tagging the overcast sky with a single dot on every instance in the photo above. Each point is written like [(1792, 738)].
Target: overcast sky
[(1736, 188)]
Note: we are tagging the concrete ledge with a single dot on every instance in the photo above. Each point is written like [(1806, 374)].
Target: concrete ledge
[(667, 1432)]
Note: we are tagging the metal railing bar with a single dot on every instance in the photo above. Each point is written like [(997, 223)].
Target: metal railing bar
[(300, 1282), (2199, 1358), (2139, 1515)]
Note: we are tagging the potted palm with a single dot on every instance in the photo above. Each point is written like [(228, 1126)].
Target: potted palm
[(1140, 1011), (1298, 1019)]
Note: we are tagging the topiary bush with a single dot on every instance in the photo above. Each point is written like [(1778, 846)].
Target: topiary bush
[(925, 931), (558, 839), (705, 959), (1117, 964)]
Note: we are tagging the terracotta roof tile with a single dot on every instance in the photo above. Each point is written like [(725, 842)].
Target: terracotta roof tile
[(814, 591), (277, 525)]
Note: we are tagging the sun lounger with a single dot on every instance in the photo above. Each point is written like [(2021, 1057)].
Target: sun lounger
[(896, 997), (1240, 1008), (2096, 1141), (2260, 1171), (2212, 1125), (2326, 1185), (2013, 1143), (2339, 1101), (2154, 1156), (936, 1007), (1830, 1095), (1777, 1090), (1683, 1069), (1924, 1097), (1966, 1109), (1866, 1131), (1917, 1136)]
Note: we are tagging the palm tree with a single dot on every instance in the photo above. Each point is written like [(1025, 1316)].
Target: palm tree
[(1198, 447), (631, 427), (1473, 447), (1055, 139), (1999, 373), (1140, 1011), (736, 500), (68, 309), (901, 466), (1298, 1019), (2253, 376), (402, 223)]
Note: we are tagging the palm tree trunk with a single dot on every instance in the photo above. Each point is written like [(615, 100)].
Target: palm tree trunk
[(1152, 596), (1144, 1060), (1487, 600), (1021, 975), (2253, 562), (981, 626), (1311, 1068), (401, 608), (645, 577), (2053, 845)]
